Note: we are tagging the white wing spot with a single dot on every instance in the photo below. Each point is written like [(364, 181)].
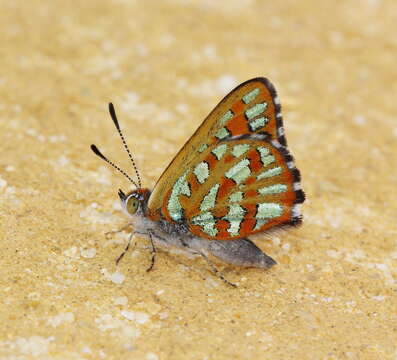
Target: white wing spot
[(290, 165), (296, 210), (276, 144), (281, 131), (297, 186)]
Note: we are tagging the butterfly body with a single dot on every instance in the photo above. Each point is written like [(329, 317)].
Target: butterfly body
[(165, 234), (233, 178)]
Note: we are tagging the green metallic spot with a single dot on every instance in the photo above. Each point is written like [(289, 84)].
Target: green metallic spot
[(226, 117), (242, 175), (239, 172), (260, 223), (207, 222), (273, 189), (203, 218), (255, 110), (236, 197), (265, 157), (174, 207), (251, 95), (209, 199), (268, 160), (268, 210), (258, 123), (222, 133), (235, 216), (264, 151), (270, 173), (202, 148), (240, 149), (185, 190), (219, 151), (202, 172)]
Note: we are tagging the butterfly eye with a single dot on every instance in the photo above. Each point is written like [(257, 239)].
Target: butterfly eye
[(132, 205)]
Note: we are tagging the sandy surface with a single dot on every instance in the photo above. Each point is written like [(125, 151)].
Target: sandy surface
[(165, 64)]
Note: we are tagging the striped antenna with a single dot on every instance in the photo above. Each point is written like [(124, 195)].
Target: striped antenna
[(116, 123), (98, 153)]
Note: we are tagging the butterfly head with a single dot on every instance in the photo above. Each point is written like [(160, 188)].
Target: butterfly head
[(134, 202)]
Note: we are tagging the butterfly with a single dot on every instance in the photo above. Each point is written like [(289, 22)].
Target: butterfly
[(233, 178)]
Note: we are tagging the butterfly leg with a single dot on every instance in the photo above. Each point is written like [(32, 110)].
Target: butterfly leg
[(215, 270), (154, 252), (209, 262), (110, 233), (126, 249)]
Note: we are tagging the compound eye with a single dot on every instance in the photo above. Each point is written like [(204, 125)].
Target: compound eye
[(132, 205)]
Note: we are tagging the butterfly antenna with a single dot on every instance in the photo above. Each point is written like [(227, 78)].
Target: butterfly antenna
[(98, 153), (116, 123)]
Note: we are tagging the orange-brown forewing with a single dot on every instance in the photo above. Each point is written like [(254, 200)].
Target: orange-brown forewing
[(248, 117)]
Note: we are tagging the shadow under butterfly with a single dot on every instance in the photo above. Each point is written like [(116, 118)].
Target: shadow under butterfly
[(233, 178)]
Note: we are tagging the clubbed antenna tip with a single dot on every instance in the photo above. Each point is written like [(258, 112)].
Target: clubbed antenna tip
[(113, 116), (116, 123), (97, 152), (103, 157)]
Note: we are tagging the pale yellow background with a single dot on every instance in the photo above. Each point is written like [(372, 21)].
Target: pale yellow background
[(165, 64)]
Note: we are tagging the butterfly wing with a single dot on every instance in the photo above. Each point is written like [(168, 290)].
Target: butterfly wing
[(253, 186), (247, 118)]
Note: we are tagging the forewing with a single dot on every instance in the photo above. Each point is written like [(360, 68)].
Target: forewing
[(251, 108)]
